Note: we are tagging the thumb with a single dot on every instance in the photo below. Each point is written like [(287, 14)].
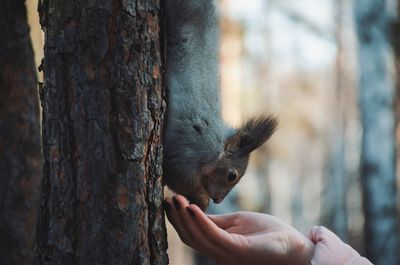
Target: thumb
[(322, 234)]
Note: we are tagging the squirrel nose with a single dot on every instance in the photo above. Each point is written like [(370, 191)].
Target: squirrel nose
[(217, 200)]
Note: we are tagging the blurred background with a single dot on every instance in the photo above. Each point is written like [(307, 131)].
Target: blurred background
[(306, 62), (299, 60)]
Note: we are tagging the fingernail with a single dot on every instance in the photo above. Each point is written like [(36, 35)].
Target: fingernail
[(190, 212), (166, 206), (176, 203)]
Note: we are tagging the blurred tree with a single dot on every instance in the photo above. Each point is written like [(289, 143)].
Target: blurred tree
[(334, 213), (19, 136), (376, 95), (103, 109), (396, 45), (36, 33)]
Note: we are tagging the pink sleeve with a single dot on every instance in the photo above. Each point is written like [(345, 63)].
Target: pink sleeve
[(330, 250)]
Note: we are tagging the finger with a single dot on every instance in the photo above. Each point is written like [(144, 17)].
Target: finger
[(188, 227), (221, 238), (176, 221), (232, 224), (321, 233), (223, 221), (197, 238)]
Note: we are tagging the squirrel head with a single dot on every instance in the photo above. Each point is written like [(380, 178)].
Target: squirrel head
[(220, 176)]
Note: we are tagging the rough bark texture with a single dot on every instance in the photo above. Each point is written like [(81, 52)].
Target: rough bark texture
[(19, 136), (376, 95), (103, 109)]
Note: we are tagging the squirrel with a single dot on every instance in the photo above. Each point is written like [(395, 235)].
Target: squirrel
[(203, 157)]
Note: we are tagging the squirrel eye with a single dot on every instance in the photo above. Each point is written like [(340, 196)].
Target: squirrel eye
[(231, 176)]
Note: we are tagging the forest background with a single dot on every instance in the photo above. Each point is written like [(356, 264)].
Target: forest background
[(305, 61)]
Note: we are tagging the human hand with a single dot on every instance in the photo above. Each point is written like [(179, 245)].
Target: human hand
[(330, 250), (238, 238)]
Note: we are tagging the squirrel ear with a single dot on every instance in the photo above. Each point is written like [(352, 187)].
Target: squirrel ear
[(251, 135)]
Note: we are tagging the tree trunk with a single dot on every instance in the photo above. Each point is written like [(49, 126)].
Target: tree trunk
[(19, 136), (103, 110), (376, 94), (395, 36)]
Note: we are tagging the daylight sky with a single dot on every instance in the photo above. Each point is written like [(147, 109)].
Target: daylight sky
[(299, 33)]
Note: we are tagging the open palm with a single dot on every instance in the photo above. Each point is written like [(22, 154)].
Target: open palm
[(238, 238)]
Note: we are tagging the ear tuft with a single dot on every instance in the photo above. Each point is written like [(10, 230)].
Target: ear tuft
[(251, 135)]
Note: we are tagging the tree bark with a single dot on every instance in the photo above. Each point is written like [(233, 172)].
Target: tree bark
[(376, 94), (103, 110), (19, 136)]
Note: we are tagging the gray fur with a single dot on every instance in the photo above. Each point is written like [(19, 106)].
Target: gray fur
[(195, 135), (194, 132)]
